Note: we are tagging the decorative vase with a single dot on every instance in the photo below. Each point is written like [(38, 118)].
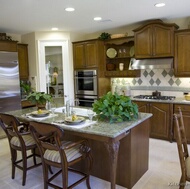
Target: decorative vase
[(41, 106), (110, 66)]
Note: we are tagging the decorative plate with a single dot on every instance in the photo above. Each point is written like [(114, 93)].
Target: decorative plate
[(43, 113), (111, 53), (69, 121), (132, 51)]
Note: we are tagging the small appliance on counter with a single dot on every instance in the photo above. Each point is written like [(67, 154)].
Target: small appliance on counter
[(124, 89), (154, 97)]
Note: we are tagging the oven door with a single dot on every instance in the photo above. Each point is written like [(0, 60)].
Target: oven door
[(86, 82), (86, 101)]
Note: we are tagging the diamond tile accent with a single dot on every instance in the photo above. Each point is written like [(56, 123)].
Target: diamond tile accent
[(164, 73), (151, 82), (158, 81), (156, 77), (140, 81), (171, 82), (171, 73), (178, 82), (151, 73), (134, 81), (145, 73)]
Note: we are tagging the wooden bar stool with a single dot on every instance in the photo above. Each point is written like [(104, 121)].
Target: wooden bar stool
[(19, 141), (62, 154), (182, 149)]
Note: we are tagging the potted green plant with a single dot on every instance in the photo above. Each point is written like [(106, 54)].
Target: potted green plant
[(115, 108), (104, 36), (39, 98)]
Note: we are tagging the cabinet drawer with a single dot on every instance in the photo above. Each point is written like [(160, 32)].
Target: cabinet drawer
[(182, 106)]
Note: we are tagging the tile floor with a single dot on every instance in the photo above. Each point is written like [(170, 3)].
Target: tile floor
[(164, 170)]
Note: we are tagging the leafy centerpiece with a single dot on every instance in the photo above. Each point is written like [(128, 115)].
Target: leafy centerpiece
[(115, 108), (39, 98)]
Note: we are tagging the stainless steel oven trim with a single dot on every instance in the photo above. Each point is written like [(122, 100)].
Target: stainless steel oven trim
[(95, 83), (93, 71)]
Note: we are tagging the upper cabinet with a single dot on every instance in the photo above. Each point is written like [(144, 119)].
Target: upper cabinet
[(182, 53), (10, 46), (86, 54), (155, 40), (23, 61), (118, 53)]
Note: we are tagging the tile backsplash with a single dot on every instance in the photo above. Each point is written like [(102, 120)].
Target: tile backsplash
[(157, 79)]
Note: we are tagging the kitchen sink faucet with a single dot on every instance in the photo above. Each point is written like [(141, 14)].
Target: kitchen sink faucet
[(69, 105)]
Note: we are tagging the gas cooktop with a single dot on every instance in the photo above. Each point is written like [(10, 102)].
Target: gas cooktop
[(154, 97)]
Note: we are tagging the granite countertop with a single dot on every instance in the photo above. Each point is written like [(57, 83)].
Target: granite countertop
[(99, 128), (177, 100)]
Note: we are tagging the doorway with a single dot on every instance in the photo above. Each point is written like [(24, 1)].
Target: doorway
[(62, 84)]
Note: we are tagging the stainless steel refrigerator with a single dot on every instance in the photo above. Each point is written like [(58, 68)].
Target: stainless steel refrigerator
[(10, 98)]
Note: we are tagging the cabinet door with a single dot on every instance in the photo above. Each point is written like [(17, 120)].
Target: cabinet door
[(79, 55), (142, 106), (23, 61), (143, 43), (155, 40), (161, 120), (182, 55), (163, 38), (91, 54)]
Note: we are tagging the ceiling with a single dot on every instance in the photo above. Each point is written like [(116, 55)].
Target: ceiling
[(25, 16)]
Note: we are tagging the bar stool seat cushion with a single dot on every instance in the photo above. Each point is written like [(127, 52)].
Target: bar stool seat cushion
[(28, 140), (71, 153)]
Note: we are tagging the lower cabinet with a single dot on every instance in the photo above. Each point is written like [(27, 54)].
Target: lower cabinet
[(161, 121), (186, 118)]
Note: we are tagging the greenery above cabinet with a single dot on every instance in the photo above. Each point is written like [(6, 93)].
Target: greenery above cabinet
[(119, 50), (155, 40)]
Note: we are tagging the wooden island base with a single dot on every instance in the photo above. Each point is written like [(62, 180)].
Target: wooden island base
[(133, 156)]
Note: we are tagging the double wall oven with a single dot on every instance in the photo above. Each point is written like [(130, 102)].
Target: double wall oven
[(86, 87)]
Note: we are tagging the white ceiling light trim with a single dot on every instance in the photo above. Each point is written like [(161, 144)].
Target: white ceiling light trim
[(159, 5), (69, 9), (97, 18)]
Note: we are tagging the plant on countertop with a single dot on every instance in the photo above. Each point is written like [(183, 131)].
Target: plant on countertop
[(104, 36), (39, 97), (115, 108), (26, 87)]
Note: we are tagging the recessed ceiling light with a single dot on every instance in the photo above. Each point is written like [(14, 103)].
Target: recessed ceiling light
[(97, 18), (54, 29), (159, 4), (69, 9)]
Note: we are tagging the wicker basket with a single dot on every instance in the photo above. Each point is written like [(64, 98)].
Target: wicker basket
[(113, 36)]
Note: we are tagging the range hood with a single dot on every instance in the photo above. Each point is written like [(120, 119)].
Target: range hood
[(150, 64)]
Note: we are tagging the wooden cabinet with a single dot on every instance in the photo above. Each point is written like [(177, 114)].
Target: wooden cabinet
[(186, 119), (182, 53), (124, 51), (10, 46), (23, 61), (86, 54), (90, 55), (161, 121), (154, 40)]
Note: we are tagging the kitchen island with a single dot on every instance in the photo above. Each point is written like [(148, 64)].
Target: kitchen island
[(120, 151)]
